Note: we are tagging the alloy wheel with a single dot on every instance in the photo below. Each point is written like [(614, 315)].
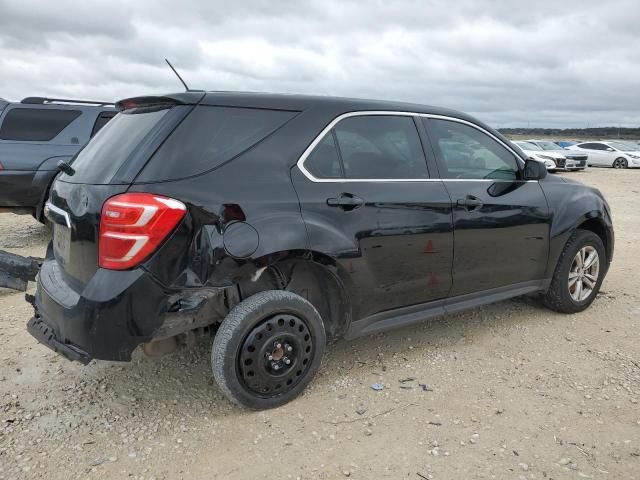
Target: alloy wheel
[(619, 163), (583, 274)]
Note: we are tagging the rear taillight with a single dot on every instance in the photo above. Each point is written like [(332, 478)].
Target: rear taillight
[(133, 225)]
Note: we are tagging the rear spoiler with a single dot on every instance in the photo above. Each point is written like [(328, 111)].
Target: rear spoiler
[(186, 98)]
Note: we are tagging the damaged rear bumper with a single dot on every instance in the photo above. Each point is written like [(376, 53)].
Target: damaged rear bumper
[(115, 312), (46, 336)]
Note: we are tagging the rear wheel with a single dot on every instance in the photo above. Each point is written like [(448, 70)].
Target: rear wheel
[(268, 349), (620, 163), (579, 273)]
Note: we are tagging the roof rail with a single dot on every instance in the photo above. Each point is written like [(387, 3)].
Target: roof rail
[(64, 101)]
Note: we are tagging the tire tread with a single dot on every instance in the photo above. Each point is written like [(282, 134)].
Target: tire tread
[(556, 298), (236, 320)]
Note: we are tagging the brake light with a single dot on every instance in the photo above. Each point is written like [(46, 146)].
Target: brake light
[(133, 225)]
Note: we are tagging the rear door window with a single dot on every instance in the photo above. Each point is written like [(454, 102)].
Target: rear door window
[(209, 137), (600, 146), (35, 124), (370, 147), (324, 161), (381, 147), (589, 146), (99, 161)]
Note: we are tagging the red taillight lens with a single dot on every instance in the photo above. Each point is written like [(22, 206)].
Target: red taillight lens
[(133, 225)]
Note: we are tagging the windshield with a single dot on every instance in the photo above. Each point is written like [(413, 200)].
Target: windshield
[(548, 146), (528, 146), (625, 146), (99, 161)]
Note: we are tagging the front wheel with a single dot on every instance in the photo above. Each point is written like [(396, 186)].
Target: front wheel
[(579, 273), (267, 349), (620, 163)]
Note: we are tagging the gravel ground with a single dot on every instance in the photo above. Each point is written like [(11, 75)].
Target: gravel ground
[(510, 390)]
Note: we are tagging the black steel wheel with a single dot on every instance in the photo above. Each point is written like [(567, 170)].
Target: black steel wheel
[(268, 349)]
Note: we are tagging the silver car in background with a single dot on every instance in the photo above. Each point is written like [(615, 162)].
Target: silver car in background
[(574, 160)]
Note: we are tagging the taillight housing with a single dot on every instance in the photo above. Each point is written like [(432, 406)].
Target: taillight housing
[(132, 227)]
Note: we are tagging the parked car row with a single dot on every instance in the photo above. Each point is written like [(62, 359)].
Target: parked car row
[(35, 135), (553, 155), (566, 155), (551, 159)]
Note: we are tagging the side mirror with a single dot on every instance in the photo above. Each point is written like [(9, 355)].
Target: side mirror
[(609, 149), (534, 170)]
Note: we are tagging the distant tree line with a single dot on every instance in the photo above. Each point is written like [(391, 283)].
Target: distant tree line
[(596, 132)]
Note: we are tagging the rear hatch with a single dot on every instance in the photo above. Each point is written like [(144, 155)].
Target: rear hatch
[(104, 168)]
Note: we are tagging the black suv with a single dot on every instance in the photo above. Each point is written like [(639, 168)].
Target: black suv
[(282, 222), (36, 134)]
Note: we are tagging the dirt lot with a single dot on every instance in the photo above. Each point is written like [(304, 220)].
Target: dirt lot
[(512, 391)]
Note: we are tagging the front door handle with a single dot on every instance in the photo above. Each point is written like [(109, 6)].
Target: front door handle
[(469, 202), (346, 201)]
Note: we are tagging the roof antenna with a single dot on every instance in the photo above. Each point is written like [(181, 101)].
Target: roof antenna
[(178, 75)]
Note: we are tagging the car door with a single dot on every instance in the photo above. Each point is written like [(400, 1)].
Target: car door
[(501, 222), (368, 201), (608, 154), (594, 152)]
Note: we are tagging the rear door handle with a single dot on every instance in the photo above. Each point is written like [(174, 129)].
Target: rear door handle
[(346, 201), (469, 202)]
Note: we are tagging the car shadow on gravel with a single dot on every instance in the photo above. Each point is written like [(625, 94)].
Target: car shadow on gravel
[(443, 332)]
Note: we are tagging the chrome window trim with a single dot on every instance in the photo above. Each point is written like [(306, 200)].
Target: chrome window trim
[(363, 113)]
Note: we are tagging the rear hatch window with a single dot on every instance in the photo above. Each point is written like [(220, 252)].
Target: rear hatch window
[(103, 156), (209, 137)]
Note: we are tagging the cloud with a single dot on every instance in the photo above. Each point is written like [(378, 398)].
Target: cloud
[(571, 64)]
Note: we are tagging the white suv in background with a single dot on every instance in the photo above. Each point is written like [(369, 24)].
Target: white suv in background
[(616, 154)]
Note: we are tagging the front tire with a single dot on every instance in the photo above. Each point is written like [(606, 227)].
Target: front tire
[(620, 163), (267, 349), (579, 273)]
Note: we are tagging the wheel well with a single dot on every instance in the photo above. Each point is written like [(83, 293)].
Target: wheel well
[(596, 226), (314, 279)]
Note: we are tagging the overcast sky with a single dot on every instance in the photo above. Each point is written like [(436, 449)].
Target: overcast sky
[(511, 63)]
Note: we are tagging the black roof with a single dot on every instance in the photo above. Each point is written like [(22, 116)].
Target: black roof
[(297, 102), (330, 106), (304, 102)]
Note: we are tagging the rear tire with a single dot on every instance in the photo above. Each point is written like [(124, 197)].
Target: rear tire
[(576, 281), (620, 163), (267, 349)]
